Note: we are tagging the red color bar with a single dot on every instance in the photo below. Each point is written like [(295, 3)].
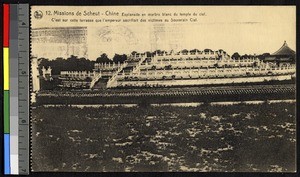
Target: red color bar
[(5, 25)]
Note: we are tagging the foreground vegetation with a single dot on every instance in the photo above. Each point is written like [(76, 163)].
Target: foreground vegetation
[(165, 138)]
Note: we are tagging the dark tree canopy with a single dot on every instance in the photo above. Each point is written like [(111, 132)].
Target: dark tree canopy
[(236, 56), (73, 63), (184, 51), (103, 59), (133, 52), (221, 50), (195, 50), (149, 54), (264, 55), (207, 50), (119, 58), (244, 56)]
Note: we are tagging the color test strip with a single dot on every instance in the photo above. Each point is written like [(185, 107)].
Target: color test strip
[(13, 89), (6, 110), (6, 154), (5, 25)]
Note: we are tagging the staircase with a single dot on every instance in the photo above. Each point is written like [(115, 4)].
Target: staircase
[(112, 82), (136, 68), (95, 79), (101, 83), (132, 67)]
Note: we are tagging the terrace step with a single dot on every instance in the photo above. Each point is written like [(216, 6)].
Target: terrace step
[(101, 83)]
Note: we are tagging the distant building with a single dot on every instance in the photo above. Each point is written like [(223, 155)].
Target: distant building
[(283, 56), (63, 41)]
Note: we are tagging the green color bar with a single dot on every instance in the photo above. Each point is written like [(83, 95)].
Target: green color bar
[(6, 111)]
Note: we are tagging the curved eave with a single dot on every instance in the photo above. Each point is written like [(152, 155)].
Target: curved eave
[(284, 50)]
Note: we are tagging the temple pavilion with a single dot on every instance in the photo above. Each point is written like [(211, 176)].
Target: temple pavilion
[(283, 55)]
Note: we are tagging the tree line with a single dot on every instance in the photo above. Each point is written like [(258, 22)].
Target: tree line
[(237, 56), (73, 63)]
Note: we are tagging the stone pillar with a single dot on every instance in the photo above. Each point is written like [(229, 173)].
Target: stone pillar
[(44, 72), (35, 75), (50, 71)]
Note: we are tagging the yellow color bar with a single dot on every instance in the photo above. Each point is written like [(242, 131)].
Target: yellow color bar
[(6, 67)]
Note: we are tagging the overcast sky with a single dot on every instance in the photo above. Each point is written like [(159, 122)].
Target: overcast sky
[(247, 30)]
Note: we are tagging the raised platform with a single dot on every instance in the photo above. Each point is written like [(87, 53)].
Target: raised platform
[(204, 81)]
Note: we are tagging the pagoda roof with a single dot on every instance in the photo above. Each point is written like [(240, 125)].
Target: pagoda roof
[(285, 50)]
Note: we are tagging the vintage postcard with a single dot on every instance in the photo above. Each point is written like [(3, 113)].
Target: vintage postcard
[(163, 88)]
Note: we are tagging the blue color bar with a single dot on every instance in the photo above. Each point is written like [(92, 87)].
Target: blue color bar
[(6, 154)]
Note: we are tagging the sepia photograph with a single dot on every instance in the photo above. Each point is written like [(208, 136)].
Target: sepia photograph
[(163, 88)]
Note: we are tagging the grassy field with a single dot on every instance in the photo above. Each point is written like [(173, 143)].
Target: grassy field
[(165, 138)]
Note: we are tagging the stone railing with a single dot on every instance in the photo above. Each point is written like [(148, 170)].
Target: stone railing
[(137, 66), (95, 79), (212, 72), (112, 81)]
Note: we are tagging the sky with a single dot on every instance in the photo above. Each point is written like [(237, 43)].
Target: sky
[(243, 29)]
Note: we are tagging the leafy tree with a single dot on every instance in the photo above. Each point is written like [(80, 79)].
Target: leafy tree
[(185, 51), (119, 58), (264, 55), (149, 54), (103, 59), (207, 50), (133, 52), (244, 56), (73, 63), (221, 50), (195, 50), (236, 56)]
